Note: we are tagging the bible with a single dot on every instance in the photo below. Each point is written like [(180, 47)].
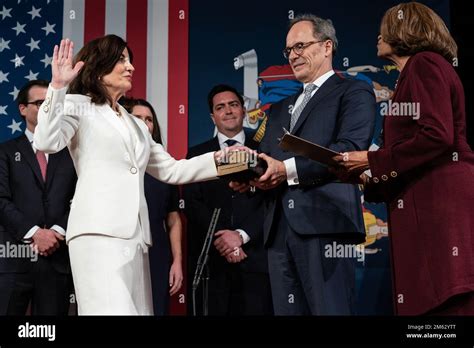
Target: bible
[(241, 166)]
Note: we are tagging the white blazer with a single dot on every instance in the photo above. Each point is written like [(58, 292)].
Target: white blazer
[(109, 195)]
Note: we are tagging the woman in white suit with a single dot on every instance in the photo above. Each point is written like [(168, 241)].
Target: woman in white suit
[(108, 230)]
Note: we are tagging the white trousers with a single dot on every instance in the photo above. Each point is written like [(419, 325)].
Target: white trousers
[(111, 275)]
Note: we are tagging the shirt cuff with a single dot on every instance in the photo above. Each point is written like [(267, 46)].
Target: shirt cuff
[(30, 233), (291, 173), (245, 236), (58, 229)]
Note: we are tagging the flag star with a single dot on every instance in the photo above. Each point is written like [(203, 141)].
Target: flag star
[(3, 76), (32, 76), (47, 60), (18, 61), (33, 44), (19, 28), (35, 12), (49, 28), (5, 12), (4, 44), (3, 109), (14, 93), (15, 126)]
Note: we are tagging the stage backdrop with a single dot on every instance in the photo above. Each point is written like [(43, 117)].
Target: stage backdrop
[(184, 47)]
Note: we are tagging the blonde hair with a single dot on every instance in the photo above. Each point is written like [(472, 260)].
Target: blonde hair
[(412, 27)]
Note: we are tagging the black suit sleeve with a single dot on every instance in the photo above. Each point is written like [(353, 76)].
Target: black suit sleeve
[(11, 217), (63, 221), (354, 130), (253, 223)]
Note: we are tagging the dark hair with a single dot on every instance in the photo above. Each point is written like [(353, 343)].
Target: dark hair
[(100, 57), (130, 103), (323, 29), (412, 27), (24, 93), (219, 89)]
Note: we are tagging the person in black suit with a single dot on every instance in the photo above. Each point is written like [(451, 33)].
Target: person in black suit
[(35, 194), (239, 283), (309, 216)]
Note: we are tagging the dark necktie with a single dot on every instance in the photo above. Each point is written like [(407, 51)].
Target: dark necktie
[(43, 164), (230, 142)]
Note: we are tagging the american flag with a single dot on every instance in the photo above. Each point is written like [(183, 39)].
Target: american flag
[(156, 31)]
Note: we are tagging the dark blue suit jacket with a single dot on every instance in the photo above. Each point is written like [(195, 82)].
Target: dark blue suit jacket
[(27, 201), (239, 210), (340, 116)]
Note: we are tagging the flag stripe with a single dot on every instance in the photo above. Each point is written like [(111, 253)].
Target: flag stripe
[(157, 62), (137, 41), (94, 19), (73, 22), (116, 17), (178, 78)]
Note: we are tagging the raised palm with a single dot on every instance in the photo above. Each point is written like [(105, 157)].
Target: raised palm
[(63, 71)]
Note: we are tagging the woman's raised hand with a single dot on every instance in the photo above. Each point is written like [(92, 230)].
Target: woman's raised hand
[(63, 71)]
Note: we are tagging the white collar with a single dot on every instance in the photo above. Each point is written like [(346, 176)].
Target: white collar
[(320, 80), (239, 137), (29, 134)]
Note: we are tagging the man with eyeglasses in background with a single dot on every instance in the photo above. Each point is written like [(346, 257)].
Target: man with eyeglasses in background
[(35, 194), (308, 214)]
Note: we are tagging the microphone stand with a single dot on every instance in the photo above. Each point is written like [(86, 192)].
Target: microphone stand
[(202, 265)]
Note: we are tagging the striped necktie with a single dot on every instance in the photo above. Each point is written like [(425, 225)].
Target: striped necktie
[(307, 96)]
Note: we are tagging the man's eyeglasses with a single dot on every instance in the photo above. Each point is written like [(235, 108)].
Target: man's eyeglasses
[(298, 48), (37, 102)]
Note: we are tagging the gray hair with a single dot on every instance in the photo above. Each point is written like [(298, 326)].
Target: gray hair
[(323, 29)]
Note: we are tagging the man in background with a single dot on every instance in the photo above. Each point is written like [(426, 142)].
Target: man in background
[(239, 283), (35, 194)]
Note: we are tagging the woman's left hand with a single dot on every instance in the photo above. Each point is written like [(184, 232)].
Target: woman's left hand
[(176, 277), (352, 164)]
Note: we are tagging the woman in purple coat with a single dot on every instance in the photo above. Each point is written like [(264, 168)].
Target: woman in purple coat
[(425, 169)]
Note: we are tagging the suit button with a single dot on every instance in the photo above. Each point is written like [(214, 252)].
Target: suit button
[(133, 170), (393, 174), (296, 181), (375, 180), (384, 177)]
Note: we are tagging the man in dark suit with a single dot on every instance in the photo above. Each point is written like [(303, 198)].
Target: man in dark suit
[(239, 283), (35, 194), (309, 215)]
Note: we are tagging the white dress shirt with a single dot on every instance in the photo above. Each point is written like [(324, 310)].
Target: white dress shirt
[(32, 231), (290, 163), (240, 138)]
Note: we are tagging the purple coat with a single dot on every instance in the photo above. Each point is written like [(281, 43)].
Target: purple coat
[(425, 174)]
